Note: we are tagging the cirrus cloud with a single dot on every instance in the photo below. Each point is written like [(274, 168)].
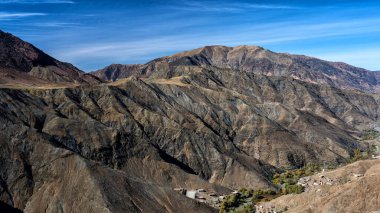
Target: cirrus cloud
[(13, 15), (37, 2)]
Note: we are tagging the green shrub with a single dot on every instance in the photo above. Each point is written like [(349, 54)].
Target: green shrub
[(292, 176), (229, 202), (358, 155), (246, 193), (248, 209), (292, 189)]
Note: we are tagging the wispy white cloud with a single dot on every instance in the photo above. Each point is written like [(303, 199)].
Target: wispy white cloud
[(206, 6), (37, 2), (54, 24), (11, 15)]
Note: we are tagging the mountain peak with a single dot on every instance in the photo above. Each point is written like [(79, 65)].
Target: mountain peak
[(205, 49), (217, 50), (258, 60)]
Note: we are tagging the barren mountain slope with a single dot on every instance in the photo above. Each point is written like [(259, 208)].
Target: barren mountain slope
[(23, 64), (259, 61), (123, 146), (223, 127)]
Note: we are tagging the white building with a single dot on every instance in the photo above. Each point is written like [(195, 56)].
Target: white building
[(191, 194)]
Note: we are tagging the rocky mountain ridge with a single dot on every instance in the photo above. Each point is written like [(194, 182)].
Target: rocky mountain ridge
[(115, 72), (260, 61), (23, 64), (123, 146)]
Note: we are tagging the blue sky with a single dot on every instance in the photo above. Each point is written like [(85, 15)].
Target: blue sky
[(93, 34)]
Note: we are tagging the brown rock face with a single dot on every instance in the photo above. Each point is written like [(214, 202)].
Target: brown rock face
[(23, 64), (124, 146)]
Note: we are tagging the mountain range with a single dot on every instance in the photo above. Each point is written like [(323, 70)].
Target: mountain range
[(218, 118), (257, 60)]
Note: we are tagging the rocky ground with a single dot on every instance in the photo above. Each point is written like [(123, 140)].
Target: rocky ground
[(147, 137)]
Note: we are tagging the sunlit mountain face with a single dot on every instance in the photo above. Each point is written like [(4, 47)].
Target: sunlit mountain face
[(94, 34)]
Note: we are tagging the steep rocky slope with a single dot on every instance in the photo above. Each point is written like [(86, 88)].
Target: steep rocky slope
[(202, 129), (259, 61), (23, 64), (124, 146)]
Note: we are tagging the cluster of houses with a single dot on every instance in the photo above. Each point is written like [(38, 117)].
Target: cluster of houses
[(213, 199), (266, 209), (310, 182), (201, 195)]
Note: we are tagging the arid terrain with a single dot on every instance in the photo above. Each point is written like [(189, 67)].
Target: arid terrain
[(215, 118), (355, 188)]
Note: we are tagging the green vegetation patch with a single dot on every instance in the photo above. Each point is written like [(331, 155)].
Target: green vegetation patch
[(289, 179), (370, 134), (286, 182)]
